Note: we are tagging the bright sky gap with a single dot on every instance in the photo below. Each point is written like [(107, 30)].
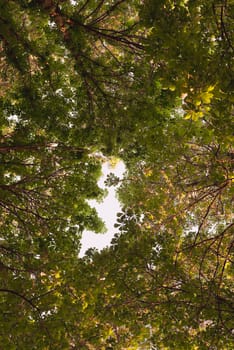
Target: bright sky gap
[(107, 210)]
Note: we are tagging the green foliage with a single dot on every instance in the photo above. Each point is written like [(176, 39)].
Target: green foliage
[(152, 83)]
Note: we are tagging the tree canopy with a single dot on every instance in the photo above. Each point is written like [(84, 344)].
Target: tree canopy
[(150, 82)]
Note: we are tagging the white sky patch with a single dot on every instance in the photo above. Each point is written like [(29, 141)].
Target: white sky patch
[(107, 210)]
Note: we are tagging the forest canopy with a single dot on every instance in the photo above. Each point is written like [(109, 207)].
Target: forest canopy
[(150, 82)]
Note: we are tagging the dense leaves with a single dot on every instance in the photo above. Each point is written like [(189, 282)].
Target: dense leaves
[(150, 82)]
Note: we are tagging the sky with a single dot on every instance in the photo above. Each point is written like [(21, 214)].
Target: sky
[(107, 210)]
